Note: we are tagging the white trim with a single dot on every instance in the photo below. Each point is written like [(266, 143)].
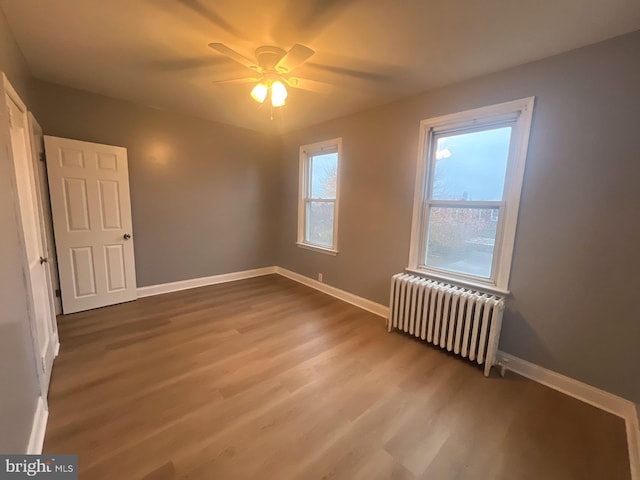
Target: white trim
[(38, 428), (202, 281), (13, 95), (599, 398), (365, 304), (593, 396), (518, 111), (329, 146), (633, 438), (43, 359), (315, 248), (418, 195)]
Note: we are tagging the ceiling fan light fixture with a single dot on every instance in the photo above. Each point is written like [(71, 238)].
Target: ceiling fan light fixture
[(259, 92), (271, 63), (278, 94)]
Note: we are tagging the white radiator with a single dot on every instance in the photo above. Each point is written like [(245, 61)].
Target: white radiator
[(456, 319)]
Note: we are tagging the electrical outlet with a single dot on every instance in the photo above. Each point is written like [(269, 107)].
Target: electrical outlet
[(320, 277)]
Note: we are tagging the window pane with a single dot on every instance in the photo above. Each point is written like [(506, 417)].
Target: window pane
[(320, 223), (462, 239), (471, 166), (324, 175)]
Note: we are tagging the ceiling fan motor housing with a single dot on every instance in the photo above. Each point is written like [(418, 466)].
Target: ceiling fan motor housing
[(268, 56)]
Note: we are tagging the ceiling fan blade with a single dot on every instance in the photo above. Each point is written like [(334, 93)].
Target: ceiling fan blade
[(349, 72), (303, 21), (309, 85), (168, 65), (296, 56), (209, 14), (232, 54), (237, 81)]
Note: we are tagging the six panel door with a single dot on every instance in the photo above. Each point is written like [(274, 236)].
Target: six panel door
[(89, 189)]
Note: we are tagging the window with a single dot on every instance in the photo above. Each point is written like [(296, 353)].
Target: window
[(470, 172), (318, 196)]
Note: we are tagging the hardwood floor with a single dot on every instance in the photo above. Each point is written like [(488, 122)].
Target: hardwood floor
[(268, 379)]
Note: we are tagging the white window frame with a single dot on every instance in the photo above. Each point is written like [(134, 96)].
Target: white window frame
[(519, 113), (306, 152)]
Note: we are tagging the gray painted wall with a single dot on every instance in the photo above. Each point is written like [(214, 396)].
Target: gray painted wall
[(202, 193), (574, 278), (18, 381)]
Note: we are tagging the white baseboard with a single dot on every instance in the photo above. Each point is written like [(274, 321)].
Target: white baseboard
[(373, 307), (633, 438), (38, 428), (594, 396), (202, 281), (365, 304), (569, 386)]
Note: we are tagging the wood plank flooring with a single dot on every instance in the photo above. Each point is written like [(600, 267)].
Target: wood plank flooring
[(268, 379)]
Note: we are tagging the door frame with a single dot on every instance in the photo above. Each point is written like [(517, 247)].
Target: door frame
[(46, 219), (10, 94)]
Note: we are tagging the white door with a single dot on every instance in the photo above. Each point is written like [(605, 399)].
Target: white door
[(89, 189), (39, 301)]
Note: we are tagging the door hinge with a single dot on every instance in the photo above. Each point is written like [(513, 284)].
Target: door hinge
[(58, 293), (44, 364), (43, 157)]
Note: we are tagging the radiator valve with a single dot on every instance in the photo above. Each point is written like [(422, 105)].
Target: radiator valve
[(503, 364)]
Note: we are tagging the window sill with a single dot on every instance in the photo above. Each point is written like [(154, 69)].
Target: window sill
[(460, 281), (315, 248)]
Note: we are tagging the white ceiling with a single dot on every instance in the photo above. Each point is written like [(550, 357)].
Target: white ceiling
[(154, 52)]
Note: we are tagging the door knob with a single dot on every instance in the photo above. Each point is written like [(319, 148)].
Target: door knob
[(126, 236), (43, 260)]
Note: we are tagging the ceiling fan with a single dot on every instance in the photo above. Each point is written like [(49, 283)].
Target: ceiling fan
[(272, 70)]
